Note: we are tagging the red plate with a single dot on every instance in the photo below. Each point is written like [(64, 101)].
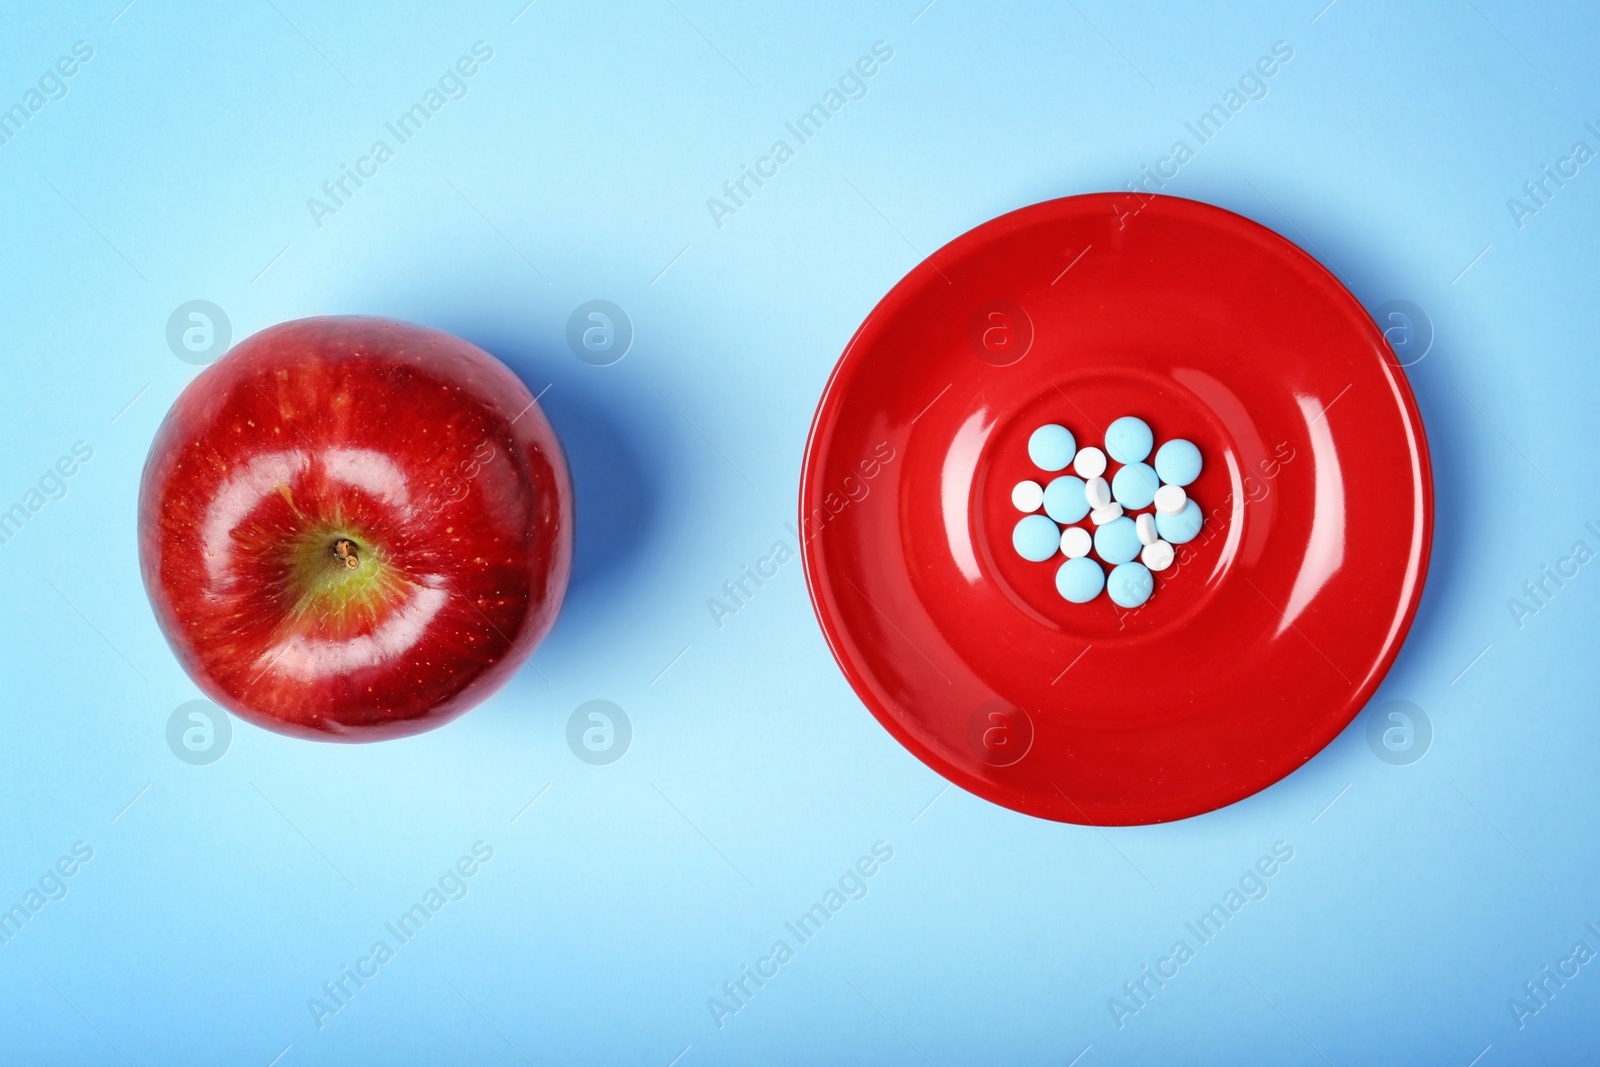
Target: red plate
[(1278, 621)]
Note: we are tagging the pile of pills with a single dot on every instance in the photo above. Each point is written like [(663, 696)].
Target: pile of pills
[(1130, 539)]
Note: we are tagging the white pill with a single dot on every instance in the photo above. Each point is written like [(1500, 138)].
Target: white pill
[(1098, 490), (1089, 463), (1146, 525), (1075, 542), (1156, 555), (1101, 516), (1027, 496), (1170, 499)]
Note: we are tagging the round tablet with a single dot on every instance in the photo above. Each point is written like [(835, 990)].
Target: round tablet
[(1157, 556), (1036, 538), (1135, 485), (1090, 462), (1080, 580), (1146, 524), (1098, 492), (1075, 542), (1178, 462), (1130, 585), (1182, 527), (1170, 499), (1064, 499), (1129, 439), (1027, 496), (1117, 541), (1051, 447), (1101, 516)]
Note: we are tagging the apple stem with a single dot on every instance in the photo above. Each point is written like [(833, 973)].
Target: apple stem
[(345, 549)]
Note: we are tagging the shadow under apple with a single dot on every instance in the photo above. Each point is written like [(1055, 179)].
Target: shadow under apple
[(615, 449)]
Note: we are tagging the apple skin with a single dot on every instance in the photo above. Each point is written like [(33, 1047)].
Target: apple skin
[(430, 462)]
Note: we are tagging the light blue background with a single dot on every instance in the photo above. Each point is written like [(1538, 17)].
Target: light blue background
[(178, 167)]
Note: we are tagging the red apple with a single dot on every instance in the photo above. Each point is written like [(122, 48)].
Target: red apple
[(354, 528)]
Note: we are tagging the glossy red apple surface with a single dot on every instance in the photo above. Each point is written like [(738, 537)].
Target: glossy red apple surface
[(354, 528)]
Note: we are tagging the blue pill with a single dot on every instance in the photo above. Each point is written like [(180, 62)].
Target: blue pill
[(1117, 541), (1178, 462), (1130, 585), (1135, 485), (1065, 501), (1036, 538), (1129, 439), (1080, 580), (1179, 528), (1052, 447)]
